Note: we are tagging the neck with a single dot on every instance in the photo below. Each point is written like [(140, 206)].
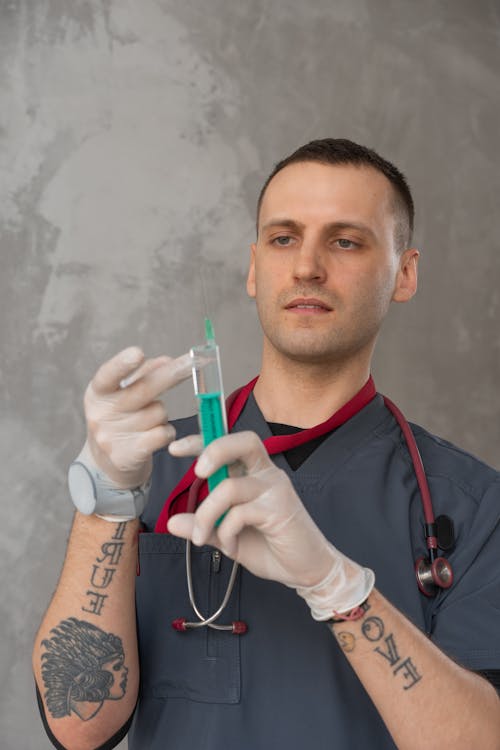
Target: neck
[(305, 394)]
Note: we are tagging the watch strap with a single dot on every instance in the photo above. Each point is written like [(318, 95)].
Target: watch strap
[(92, 492)]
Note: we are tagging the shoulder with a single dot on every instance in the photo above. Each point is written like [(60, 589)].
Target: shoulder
[(444, 459)]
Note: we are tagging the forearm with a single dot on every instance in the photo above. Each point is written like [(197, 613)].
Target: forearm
[(424, 698), (85, 655)]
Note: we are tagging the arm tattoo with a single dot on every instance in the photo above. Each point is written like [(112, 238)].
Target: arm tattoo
[(104, 570), (82, 667), (373, 630), (346, 640)]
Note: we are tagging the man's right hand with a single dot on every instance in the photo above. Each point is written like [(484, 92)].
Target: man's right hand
[(126, 425)]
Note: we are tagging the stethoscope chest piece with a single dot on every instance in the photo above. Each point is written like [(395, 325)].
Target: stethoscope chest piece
[(432, 576)]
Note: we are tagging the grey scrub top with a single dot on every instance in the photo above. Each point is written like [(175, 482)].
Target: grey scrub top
[(286, 682)]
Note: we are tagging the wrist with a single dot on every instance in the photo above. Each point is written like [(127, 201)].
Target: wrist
[(356, 613), (344, 589), (94, 493)]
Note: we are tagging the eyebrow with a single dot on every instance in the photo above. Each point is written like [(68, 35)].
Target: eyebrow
[(331, 226), (277, 222)]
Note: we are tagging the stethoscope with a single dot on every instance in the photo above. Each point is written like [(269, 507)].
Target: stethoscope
[(237, 627), (433, 572)]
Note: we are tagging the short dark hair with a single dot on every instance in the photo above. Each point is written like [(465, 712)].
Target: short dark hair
[(343, 151)]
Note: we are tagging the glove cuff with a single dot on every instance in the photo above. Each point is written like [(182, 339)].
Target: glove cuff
[(344, 588)]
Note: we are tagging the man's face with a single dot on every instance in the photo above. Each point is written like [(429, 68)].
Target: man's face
[(324, 268)]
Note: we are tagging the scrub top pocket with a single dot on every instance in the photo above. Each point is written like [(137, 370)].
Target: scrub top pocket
[(202, 664)]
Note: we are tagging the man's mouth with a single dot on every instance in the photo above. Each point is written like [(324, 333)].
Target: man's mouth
[(307, 304)]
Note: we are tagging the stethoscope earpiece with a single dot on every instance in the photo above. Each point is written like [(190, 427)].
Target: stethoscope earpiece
[(237, 627), (181, 624), (433, 575)]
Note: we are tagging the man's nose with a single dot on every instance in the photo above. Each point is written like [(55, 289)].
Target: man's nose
[(309, 263)]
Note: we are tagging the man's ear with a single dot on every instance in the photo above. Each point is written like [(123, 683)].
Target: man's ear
[(407, 276), (251, 272)]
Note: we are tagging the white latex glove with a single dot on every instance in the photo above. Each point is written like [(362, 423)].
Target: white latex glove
[(267, 528), (126, 423)]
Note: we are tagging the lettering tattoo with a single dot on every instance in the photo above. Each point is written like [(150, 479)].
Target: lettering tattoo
[(102, 575), (373, 630), (391, 652), (96, 602), (82, 666), (409, 673)]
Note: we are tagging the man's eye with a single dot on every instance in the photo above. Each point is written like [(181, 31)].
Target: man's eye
[(346, 244), (282, 241)]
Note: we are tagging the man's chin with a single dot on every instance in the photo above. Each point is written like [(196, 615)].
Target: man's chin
[(311, 355), (314, 351)]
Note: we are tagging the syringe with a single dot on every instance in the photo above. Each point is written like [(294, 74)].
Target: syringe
[(207, 379)]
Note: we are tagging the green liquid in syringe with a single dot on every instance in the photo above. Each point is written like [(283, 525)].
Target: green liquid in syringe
[(212, 427)]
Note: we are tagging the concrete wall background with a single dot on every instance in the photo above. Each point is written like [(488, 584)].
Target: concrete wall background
[(133, 140)]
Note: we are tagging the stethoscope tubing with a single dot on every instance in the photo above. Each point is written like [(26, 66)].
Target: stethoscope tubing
[(418, 467), (208, 621), (182, 623)]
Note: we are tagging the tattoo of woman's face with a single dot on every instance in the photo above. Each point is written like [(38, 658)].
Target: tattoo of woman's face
[(82, 667)]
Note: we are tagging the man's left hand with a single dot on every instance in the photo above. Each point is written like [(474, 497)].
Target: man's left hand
[(266, 527)]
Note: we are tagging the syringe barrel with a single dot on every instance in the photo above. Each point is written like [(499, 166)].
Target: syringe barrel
[(207, 374), (207, 379)]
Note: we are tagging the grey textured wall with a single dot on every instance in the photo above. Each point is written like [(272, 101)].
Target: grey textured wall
[(134, 136)]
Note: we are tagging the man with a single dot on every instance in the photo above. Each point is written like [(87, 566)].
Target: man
[(329, 527)]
